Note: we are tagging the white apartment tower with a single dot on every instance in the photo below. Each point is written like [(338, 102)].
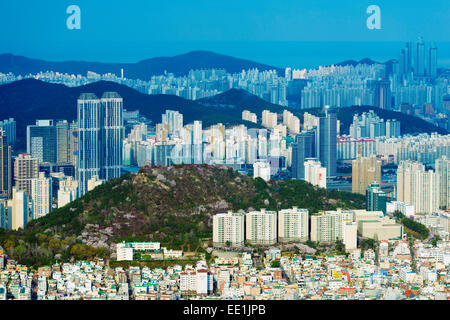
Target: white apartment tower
[(228, 229), (261, 227), (41, 195), (293, 225)]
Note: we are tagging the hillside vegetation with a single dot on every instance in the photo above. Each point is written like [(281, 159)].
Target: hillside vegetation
[(173, 205)]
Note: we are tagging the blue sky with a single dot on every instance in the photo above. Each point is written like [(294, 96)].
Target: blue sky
[(118, 30)]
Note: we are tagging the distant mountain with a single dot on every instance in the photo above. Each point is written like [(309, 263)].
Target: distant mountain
[(30, 99), (144, 70), (355, 63), (237, 100)]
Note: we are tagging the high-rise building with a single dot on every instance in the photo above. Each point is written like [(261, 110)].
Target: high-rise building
[(418, 187), (420, 59), (41, 141), (20, 209), (173, 121), (41, 196), (293, 225), (73, 144), (26, 168), (327, 137), (375, 198), (62, 142), (302, 149), (261, 227), (112, 135), (9, 127), (365, 170), (383, 94), (315, 173), (100, 135), (228, 229), (432, 62), (89, 156), (326, 227), (5, 166), (443, 171)]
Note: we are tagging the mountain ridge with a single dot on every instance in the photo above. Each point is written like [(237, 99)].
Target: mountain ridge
[(179, 65)]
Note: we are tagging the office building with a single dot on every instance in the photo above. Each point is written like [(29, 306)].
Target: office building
[(293, 225), (228, 229), (302, 149), (327, 137), (26, 168), (261, 227), (42, 141)]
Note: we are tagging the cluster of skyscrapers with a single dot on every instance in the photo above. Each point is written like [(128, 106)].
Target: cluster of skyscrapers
[(63, 160)]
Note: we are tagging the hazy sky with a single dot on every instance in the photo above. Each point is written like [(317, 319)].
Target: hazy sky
[(110, 30)]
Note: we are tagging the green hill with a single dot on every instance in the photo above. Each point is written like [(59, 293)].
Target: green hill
[(172, 205)]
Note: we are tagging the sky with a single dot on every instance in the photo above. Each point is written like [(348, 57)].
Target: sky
[(127, 31)]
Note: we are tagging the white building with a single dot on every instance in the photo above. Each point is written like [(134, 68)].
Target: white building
[(67, 191), (261, 227), (404, 208), (228, 228), (293, 225), (315, 173), (41, 195), (261, 170)]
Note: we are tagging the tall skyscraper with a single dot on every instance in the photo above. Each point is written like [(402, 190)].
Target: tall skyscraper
[(89, 154), (408, 57), (100, 134), (5, 166), (420, 59), (432, 62), (26, 168), (112, 105), (302, 149), (327, 137)]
